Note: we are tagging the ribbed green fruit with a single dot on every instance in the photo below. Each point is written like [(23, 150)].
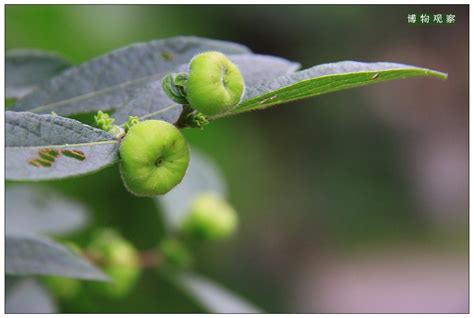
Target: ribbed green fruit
[(214, 84), (154, 158)]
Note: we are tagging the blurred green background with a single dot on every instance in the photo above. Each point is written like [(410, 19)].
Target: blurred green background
[(349, 202)]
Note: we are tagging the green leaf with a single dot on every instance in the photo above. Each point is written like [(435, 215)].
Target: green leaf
[(41, 147), (38, 210), (202, 176), (216, 299), (151, 101), (26, 69), (30, 255), (256, 68), (28, 296), (109, 81), (322, 79)]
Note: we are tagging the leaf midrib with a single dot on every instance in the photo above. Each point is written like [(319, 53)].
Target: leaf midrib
[(92, 94), (248, 102), (94, 143)]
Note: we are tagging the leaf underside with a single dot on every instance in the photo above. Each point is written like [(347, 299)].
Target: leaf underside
[(216, 299), (31, 210), (128, 81), (109, 81), (30, 255), (26, 69), (27, 296), (322, 79), (41, 147)]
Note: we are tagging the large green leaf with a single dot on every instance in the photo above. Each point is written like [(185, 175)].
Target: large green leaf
[(39, 210), (202, 175), (322, 79), (111, 80), (256, 68), (214, 298), (26, 69), (151, 102), (73, 148), (31, 255)]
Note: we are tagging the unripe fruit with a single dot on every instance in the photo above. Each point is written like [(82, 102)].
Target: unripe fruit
[(214, 83), (62, 287), (118, 259), (154, 158), (175, 253), (210, 217)]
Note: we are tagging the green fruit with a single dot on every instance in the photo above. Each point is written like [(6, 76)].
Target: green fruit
[(118, 259), (214, 84), (62, 287), (175, 253), (154, 158), (210, 217)]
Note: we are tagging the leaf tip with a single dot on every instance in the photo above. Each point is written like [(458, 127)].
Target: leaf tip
[(444, 76), (440, 75)]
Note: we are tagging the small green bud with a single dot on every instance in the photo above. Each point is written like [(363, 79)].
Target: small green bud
[(180, 81), (118, 259), (174, 87), (214, 84), (154, 158), (132, 121), (103, 121), (210, 217), (191, 118), (195, 120), (175, 253)]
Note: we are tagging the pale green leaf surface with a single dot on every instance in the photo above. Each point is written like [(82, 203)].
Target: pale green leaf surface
[(26, 69), (111, 80), (27, 296), (256, 68), (28, 133), (322, 79), (214, 298), (39, 210), (32, 255)]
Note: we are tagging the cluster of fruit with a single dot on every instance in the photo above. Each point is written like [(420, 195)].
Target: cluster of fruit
[(154, 157), (154, 154)]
